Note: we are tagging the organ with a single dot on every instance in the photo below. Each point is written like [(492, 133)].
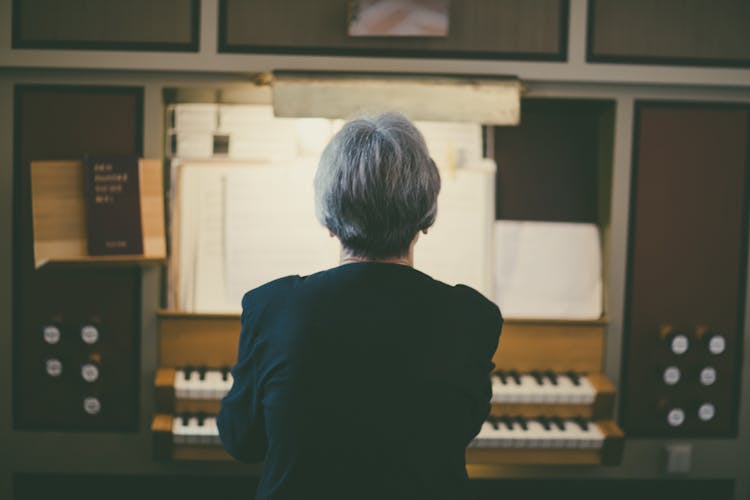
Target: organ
[(552, 404)]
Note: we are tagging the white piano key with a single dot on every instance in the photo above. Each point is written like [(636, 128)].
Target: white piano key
[(565, 390), (212, 430), (531, 391), (192, 431), (180, 384), (178, 431), (588, 392), (537, 436)]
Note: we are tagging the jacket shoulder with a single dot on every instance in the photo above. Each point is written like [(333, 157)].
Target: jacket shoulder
[(476, 302), (262, 295)]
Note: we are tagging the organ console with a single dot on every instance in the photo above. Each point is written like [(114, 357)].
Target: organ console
[(550, 402)]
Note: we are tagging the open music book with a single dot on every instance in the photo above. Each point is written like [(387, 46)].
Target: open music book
[(238, 223)]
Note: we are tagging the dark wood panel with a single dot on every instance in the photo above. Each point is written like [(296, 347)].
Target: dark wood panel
[(502, 29), (199, 487), (686, 265), (550, 166), (688, 32), (169, 25), (64, 123)]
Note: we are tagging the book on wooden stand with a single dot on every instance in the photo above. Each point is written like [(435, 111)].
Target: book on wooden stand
[(61, 232)]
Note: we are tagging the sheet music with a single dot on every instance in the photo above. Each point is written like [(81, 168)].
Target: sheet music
[(458, 248), (452, 145), (243, 224), (256, 135), (271, 229), (192, 117), (201, 253)]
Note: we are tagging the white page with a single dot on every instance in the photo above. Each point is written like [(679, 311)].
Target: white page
[(195, 117), (271, 229), (193, 144), (452, 145), (201, 253), (548, 270), (255, 134), (458, 248)]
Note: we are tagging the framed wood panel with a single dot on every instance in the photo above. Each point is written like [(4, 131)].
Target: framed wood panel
[(686, 267), (555, 166), (163, 25), (65, 122), (671, 32), (479, 29)]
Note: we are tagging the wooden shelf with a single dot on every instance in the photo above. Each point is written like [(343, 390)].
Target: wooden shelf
[(603, 321), (175, 314), (59, 216)]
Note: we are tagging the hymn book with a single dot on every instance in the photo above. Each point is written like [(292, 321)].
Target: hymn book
[(113, 205)]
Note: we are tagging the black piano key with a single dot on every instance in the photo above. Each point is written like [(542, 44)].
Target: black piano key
[(552, 376), (538, 377), (494, 422), (583, 424), (557, 421), (522, 422), (225, 373), (508, 422), (573, 376), (188, 370), (202, 373), (184, 417), (545, 423), (202, 418), (515, 376), (502, 376)]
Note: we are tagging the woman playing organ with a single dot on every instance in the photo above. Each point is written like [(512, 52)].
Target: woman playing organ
[(336, 369)]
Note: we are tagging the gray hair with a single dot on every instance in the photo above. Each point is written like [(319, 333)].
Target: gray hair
[(376, 186)]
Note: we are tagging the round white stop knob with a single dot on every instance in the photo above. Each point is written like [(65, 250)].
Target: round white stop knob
[(54, 367), (676, 417), (671, 375), (706, 412), (92, 406), (708, 375), (51, 334), (89, 334), (90, 372), (680, 344), (717, 344)]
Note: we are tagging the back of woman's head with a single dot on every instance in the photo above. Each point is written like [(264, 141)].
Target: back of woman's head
[(376, 186)]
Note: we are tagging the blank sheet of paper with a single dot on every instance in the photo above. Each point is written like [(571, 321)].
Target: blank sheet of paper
[(548, 270)]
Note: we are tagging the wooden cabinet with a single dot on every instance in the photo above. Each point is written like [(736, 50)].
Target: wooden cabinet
[(688, 32), (165, 25), (478, 29), (687, 270)]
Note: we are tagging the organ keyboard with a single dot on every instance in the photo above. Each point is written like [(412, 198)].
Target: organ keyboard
[(201, 383), (550, 405), (541, 387)]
